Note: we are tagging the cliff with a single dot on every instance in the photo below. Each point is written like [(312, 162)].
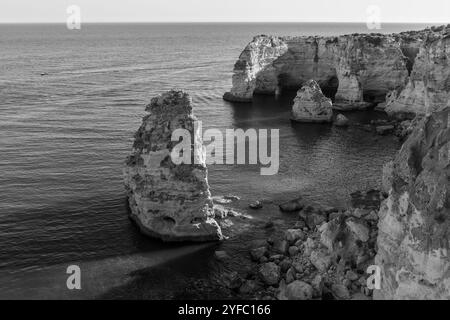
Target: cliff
[(413, 230), (428, 87), (167, 200), (356, 71)]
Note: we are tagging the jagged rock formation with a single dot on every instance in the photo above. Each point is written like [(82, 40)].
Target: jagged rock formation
[(310, 105), (414, 227), (353, 65), (167, 200), (428, 88), (255, 68), (357, 70)]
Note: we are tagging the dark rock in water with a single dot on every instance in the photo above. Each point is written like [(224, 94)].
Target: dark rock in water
[(367, 200), (228, 96), (383, 130), (258, 253), (256, 205), (315, 219), (293, 205), (221, 255), (292, 235), (281, 246), (341, 121), (269, 225)]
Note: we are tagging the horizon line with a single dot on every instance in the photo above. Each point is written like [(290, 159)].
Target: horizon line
[(179, 22)]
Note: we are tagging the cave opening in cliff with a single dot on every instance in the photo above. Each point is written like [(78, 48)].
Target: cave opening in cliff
[(330, 87), (374, 96)]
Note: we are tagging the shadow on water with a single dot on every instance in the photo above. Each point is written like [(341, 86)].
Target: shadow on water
[(190, 277)]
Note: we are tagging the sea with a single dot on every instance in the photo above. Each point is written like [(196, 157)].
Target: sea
[(70, 102)]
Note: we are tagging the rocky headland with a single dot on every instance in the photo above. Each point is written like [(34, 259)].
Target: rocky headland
[(405, 73), (403, 230), (325, 254)]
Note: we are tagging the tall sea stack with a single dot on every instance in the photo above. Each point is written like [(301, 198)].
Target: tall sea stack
[(167, 200)]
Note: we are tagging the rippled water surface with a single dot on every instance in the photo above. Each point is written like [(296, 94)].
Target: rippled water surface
[(64, 136)]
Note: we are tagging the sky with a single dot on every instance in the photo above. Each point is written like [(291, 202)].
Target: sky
[(426, 11)]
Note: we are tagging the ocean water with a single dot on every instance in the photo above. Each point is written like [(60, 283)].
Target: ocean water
[(64, 137)]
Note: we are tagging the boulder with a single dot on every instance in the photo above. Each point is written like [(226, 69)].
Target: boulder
[(383, 130), (281, 246), (290, 275), (293, 250), (340, 292), (258, 253), (299, 290), (320, 259), (341, 121), (270, 273), (292, 235), (292, 205), (310, 105)]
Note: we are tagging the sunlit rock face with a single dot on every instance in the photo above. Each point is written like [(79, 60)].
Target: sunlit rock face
[(255, 70), (353, 68), (414, 221), (405, 73), (167, 200), (428, 88), (310, 105)]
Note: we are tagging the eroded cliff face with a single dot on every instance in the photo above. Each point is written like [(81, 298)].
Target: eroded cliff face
[(255, 68), (167, 200), (352, 65), (414, 226), (428, 87), (357, 70)]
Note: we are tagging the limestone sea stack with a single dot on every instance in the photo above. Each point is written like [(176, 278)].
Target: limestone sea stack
[(167, 200), (414, 226), (310, 105)]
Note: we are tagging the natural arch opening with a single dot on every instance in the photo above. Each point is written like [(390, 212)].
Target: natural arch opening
[(330, 87)]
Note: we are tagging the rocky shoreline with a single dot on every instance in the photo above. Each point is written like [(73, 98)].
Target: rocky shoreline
[(324, 255), (403, 229), (404, 74)]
